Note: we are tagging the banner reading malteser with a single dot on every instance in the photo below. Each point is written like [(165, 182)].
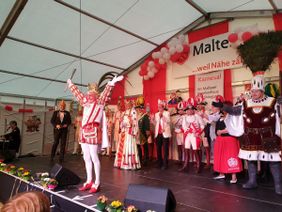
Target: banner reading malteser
[(207, 55), (210, 85)]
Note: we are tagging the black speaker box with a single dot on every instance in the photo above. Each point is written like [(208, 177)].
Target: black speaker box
[(150, 198), (64, 176)]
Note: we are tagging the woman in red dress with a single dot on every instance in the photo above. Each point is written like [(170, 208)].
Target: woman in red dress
[(226, 150)]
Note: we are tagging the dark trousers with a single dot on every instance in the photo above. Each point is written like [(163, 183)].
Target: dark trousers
[(161, 141), (60, 136), (146, 152)]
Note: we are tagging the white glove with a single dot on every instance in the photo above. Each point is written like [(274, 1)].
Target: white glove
[(114, 80), (69, 82)]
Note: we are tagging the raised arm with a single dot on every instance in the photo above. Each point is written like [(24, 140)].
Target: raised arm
[(75, 91)]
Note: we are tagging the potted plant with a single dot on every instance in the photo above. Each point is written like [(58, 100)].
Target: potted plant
[(102, 202), (2, 166), (26, 175), (20, 171), (52, 184), (115, 206), (131, 208), (11, 169)]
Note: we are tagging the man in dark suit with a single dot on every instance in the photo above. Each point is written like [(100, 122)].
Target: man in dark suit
[(61, 120), (14, 137)]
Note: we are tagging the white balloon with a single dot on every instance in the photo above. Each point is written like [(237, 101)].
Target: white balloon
[(161, 61), (174, 40), (146, 77), (166, 56), (151, 64), (172, 50), (149, 68), (154, 55), (158, 55), (163, 50), (181, 38), (179, 48), (170, 44), (154, 70)]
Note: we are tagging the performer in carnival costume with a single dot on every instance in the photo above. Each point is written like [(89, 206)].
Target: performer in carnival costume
[(212, 119), (127, 153), (258, 118), (116, 126), (258, 121), (201, 111), (192, 127), (178, 120), (162, 134), (93, 107), (143, 132), (226, 149)]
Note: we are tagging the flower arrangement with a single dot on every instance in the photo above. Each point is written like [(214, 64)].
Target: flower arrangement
[(2, 166), (44, 175), (11, 169), (52, 183), (26, 175), (102, 202), (131, 208), (20, 171), (115, 206)]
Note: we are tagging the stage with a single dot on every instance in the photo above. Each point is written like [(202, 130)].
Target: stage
[(193, 192)]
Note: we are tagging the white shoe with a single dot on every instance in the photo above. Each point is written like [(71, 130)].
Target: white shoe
[(219, 177), (233, 181)]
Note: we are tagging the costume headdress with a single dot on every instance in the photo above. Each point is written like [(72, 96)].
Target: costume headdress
[(218, 102), (200, 99), (191, 103)]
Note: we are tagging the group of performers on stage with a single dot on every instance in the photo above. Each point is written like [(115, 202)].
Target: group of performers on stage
[(256, 121)]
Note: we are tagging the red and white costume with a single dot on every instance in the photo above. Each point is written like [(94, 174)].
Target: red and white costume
[(127, 154), (192, 126), (93, 112)]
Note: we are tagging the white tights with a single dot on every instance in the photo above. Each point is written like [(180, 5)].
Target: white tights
[(90, 155)]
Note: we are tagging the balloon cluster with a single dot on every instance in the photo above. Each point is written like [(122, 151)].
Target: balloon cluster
[(241, 35), (176, 50)]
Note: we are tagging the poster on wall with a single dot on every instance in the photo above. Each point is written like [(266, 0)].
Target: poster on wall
[(209, 54), (32, 123), (210, 85)]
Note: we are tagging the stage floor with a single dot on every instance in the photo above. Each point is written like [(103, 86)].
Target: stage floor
[(193, 192)]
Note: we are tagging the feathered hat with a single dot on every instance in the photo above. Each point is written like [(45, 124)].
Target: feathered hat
[(200, 99), (191, 104), (218, 102)]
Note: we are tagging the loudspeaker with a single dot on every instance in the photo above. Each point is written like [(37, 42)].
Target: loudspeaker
[(150, 198), (64, 176)]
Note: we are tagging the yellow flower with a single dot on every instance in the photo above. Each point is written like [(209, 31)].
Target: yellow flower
[(12, 167), (116, 204), (21, 169), (26, 173)]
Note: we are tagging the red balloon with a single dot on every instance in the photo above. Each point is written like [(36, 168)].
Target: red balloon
[(8, 107), (246, 36), (233, 37), (186, 48), (140, 73)]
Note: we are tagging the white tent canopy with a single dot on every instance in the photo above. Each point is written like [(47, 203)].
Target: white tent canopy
[(50, 38)]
